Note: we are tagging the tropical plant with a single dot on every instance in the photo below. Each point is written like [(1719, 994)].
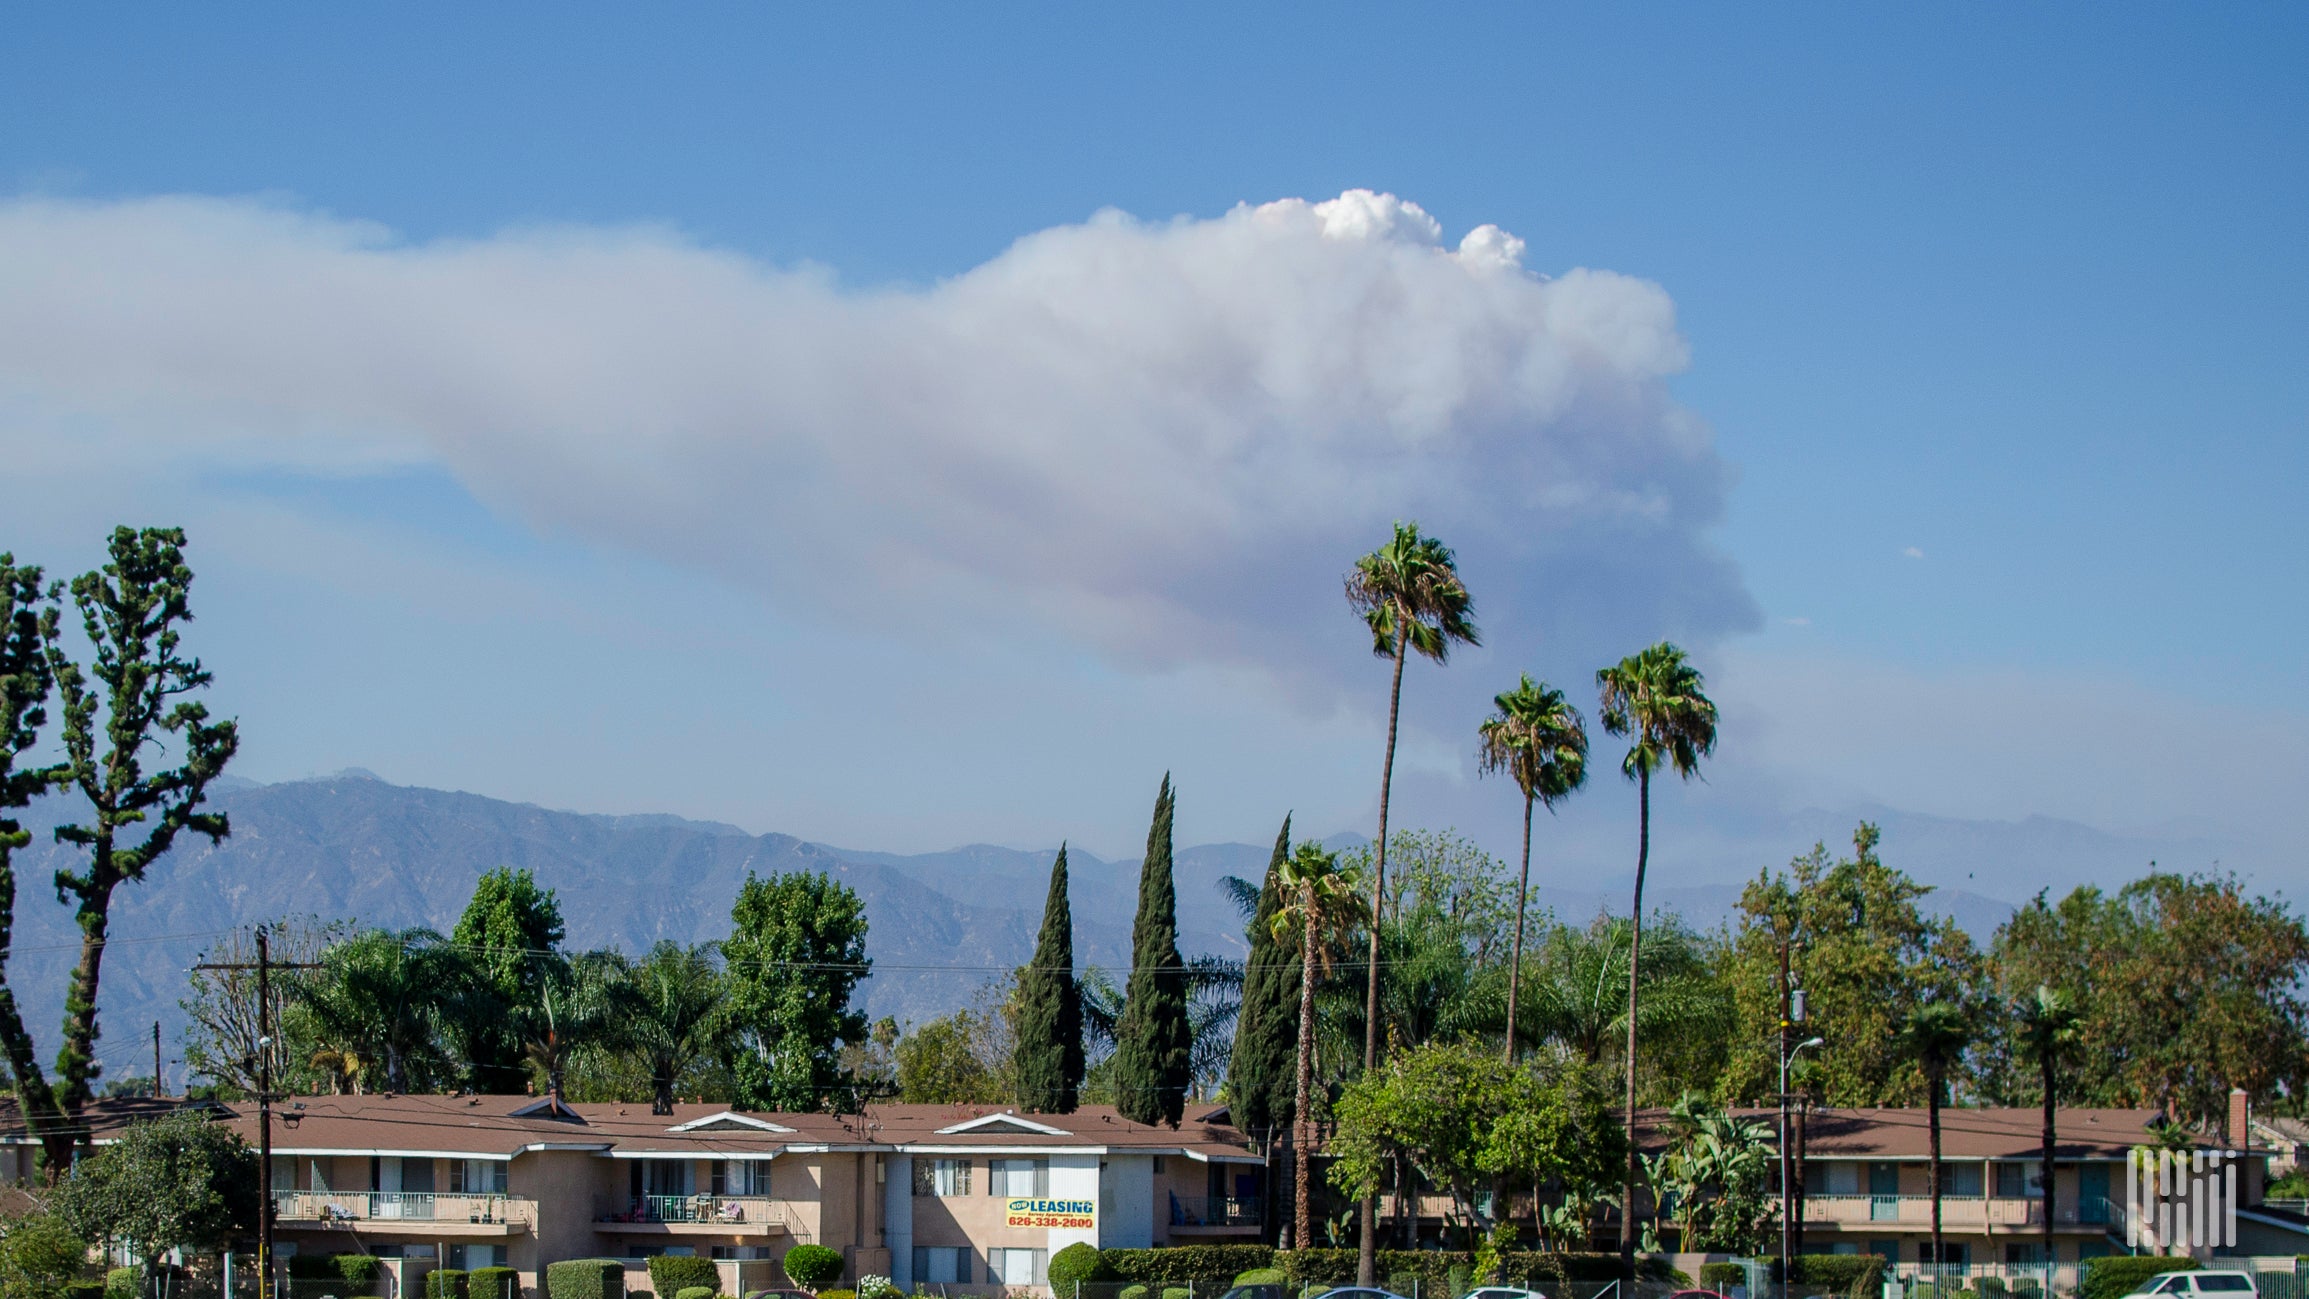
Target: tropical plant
[(1656, 699), (387, 999), (1716, 1169), (2046, 1033), (1539, 740), (1317, 901), (672, 1008), (1935, 1036), (580, 1003), (1576, 999)]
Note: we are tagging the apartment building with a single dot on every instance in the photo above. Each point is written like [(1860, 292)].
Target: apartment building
[(971, 1197)]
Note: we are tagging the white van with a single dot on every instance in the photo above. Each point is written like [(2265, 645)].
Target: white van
[(2219, 1285)]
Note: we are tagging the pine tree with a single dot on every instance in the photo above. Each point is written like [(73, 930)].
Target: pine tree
[(1259, 1082), (1152, 1066), (1047, 1056)]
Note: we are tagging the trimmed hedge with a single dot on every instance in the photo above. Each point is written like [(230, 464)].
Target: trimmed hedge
[(493, 1283), (1838, 1272), (124, 1283), (1177, 1292), (670, 1274), (837, 1294), (1212, 1268), (1715, 1276), (1262, 1276), (695, 1292), (2113, 1276), (1133, 1292), (812, 1266), (358, 1269), (585, 1278), (445, 1283), (1077, 1263), (84, 1290)]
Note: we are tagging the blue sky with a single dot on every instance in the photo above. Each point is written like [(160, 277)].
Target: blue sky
[(1996, 320)]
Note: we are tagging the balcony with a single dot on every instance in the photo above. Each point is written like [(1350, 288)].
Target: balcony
[(461, 1216), (691, 1215), (1214, 1214), (1971, 1212)]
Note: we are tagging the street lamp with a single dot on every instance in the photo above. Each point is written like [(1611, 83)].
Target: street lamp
[(1786, 1191)]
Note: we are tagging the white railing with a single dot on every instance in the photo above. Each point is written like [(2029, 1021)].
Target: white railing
[(402, 1206)]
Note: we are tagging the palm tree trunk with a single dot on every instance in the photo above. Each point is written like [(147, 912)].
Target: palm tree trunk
[(1635, 954), (1302, 1117), (1932, 1104), (1515, 959), (1367, 1239), (2046, 1062)]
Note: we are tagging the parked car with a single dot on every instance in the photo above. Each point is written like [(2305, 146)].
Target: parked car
[(1699, 1294), (2226, 1285), (1263, 1291), (1502, 1292), (1358, 1292)]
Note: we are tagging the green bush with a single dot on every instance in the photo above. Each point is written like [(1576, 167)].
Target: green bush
[(812, 1266), (1839, 1272), (445, 1283), (670, 1274), (357, 1269), (84, 1290), (1177, 1292), (1717, 1276), (1077, 1263), (124, 1283), (492, 1283), (1262, 1276), (2113, 1276), (696, 1292), (1133, 1292), (1204, 1267), (585, 1278), (837, 1294), (1533, 1269)]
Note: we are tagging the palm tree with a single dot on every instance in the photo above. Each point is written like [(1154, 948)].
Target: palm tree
[(2048, 1030), (577, 1006), (1935, 1034), (672, 1012), (387, 998), (1656, 698), (1538, 738), (1318, 900)]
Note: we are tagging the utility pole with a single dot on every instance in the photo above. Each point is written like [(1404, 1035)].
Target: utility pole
[(1785, 1166), (158, 1091), (264, 968)]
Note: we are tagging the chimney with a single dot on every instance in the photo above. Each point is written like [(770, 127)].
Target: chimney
[(2237, 1132)]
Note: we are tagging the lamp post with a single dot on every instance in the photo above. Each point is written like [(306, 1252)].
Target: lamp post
[(1786, 1058)]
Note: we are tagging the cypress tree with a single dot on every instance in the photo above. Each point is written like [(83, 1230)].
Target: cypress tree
[(1047, 1057), (1259, 1079), (1152, 1065)]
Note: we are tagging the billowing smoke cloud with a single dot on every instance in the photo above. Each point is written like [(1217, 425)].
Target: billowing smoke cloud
[(1163, 440)]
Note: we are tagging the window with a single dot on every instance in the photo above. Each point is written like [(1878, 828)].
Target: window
[(469, 1257), (1015, 1266), (477, 1177), (1888, 1250), (1958, 1181), (942, 1177), (2018, 1180), (940, 1265), (2223, 1281), (1018, 1178), (741, 1177)]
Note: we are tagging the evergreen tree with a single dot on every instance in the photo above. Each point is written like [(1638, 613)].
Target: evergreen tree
[(796, 958), (1153, 1063), (1047, 1055), (511, 931), (1259, 1081)]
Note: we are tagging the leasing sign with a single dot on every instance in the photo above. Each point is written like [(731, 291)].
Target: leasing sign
[(1067, 1215)]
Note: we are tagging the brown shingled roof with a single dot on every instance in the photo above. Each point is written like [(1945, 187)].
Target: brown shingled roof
[(1900, 1133)]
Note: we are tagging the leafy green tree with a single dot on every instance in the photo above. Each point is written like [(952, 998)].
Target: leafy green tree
[(1316, 903), (2185, 986), (2046, 1034), (1048, 1058), (221, 1005), (1564, 1140), (39, 1255), (383, 1008), (667, 1009), (1935, 1035), (1717, 1166), (944, 1062), (1539, 740), (130, 701), (1685, 1012), (1259, 1088), (1865, 954), (27, 622), (177, 1182), (512, 931), (1153, 1042), (1656, 698), (581, 1003), (796, 958)]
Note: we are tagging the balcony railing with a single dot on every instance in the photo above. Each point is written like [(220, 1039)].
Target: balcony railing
[(402, 1206), (1957, 1211), (724, 1210), (1214, 1211)]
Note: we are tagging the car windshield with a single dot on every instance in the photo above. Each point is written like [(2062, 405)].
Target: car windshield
[(2219, 1281)]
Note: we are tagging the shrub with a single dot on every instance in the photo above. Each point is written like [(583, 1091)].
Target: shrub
[(357, 1269), (1177, 1292), (670, 1274), (1718, 1276), (837, 1294), (1840, 1272), (2115, 1275), (1262, 1276), (1133, 1292), (124, 1283), (84, 1290), (812, 1266), (445, 1283), (1077, 1263), (493, 1283), (882, 1287), (585, 1278), (1204, 1267), (695, 1292)]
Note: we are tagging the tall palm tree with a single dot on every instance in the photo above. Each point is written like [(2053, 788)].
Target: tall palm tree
[(1935, 1035), (1538, 738), (388, 998), (577, 1006), (2047, 1024), (1318, 900), (672, 1002), (1656, 699)]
